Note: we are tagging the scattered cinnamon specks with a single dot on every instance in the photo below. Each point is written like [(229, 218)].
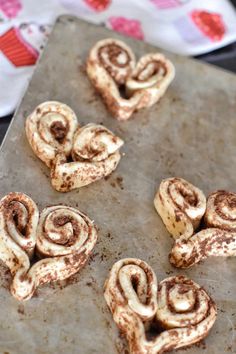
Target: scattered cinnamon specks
[(21, 309)]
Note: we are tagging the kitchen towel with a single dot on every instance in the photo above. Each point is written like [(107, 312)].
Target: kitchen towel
[(188, 27)]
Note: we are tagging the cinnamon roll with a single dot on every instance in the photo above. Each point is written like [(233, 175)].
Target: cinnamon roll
[(180, 205), (221, 211), (50, 129), (64, 239), (177, 314), (131, 290), (186, 310), (112, 57), (219, 237), (125, 87), (152, 75), (19, 219), (95, 153), (109, 65)]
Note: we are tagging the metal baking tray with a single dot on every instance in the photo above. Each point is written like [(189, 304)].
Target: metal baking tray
[(190, 133)]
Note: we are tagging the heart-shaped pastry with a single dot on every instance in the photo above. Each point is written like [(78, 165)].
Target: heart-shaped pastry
[(155, 319), (62, 236), (124, 86), (183, 208), (76, 155)]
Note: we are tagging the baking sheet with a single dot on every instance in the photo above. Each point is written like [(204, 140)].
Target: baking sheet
[(191, 133)]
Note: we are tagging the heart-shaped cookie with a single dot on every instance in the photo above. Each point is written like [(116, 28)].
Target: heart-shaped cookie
[(155, 319), (62, 236), (184, 209), (124, 86), (76, 155)]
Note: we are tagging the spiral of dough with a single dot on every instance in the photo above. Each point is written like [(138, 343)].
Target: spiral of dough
[(20, 217), (50, 129), (95, 153), (111, 56), (131, 287), (94, 142), (180, 205), (181, 303), (152, 75), (185, 310), (109, 65), (18, 224), (221, 210)]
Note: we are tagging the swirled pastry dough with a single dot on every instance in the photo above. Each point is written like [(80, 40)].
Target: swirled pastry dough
[(152, 76), (109, 65), (125, 87), (50, 129), (221, 211), (64, 239), (181, 310), (19, 219), (95, 153), (180, 205), (219, 237)]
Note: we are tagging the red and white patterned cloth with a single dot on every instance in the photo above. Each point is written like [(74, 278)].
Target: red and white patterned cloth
[(188, 27)]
